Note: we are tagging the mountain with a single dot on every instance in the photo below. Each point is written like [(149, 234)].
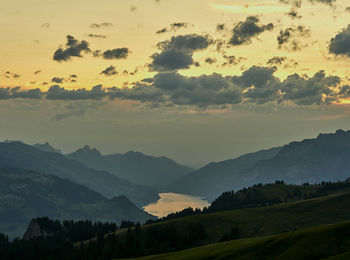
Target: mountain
[(20, 155), (26, 194), (46, 147), (133, 166), (211, 180), (325, 158)]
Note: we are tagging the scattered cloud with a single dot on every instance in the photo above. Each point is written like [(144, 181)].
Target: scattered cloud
[(245, 31), (100, 25), (109, 71), (92, 35), (173, 27), (73, 48), (293, 38)]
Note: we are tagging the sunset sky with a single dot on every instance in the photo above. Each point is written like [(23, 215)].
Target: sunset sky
[(197, 81)]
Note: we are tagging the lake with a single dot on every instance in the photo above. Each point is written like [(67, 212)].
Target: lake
[(172, 202)]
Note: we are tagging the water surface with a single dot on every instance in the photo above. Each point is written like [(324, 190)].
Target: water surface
[(172, 202)]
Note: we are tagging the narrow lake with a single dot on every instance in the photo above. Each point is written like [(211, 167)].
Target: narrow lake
[(172, 202)]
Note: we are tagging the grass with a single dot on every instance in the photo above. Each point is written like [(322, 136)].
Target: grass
[(322, 242)]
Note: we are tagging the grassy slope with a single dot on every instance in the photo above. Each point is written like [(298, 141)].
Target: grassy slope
[(322, 242), (273, 219), (262, 221)]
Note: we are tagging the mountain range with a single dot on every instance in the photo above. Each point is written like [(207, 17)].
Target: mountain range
[(325, 158), (19, 155), (133, 166), (26, 194)]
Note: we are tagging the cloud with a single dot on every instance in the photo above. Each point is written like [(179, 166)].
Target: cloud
[(292, 38), (59, 93), (119, 53), (100, 25), (177, 52), (282, 62), (74, 48), (308, 91), (12, 93), (57, 80), (297, 3), (78, 109), (45, 25), (37, 72), (92, 35), (173, 27), (256, 86), (231, 60), (133, 8), (110, 71), (340, 43), (243, 32), (9, 75), (210, 60)]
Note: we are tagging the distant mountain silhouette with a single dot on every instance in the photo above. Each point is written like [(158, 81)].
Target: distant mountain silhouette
[(133, 166), (26, 194), (46, 147), (211, 180), (325, 158), (20, 155)]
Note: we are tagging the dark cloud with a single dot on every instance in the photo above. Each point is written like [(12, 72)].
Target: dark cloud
[(172, 59), (347, 9), (340, 44), (243, 32), (59, 93), (256, 85), (37, 72), (9, 75), (100, 25), (11, 93), (74, 48), (220, 27), (173, 27), (119, 53), (133, 8), (231, 60), (293, 38), (276, 60), (57, 80), (210, 60), (92, 35), (109, 71), (308, 91), (177, 52)]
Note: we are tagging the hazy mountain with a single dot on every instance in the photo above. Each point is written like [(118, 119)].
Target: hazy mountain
[(25, 194), (211, 180), (325, 158), (134, 166), (46, 147), (19, 155)]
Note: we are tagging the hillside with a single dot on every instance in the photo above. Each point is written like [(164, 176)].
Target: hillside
[(25, 194), (202, 229), (211, 180), (322, 242), (324, 158), (133, 166), (20, 155)]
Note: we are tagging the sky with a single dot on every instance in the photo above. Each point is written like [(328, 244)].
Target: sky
[(197, 81)]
